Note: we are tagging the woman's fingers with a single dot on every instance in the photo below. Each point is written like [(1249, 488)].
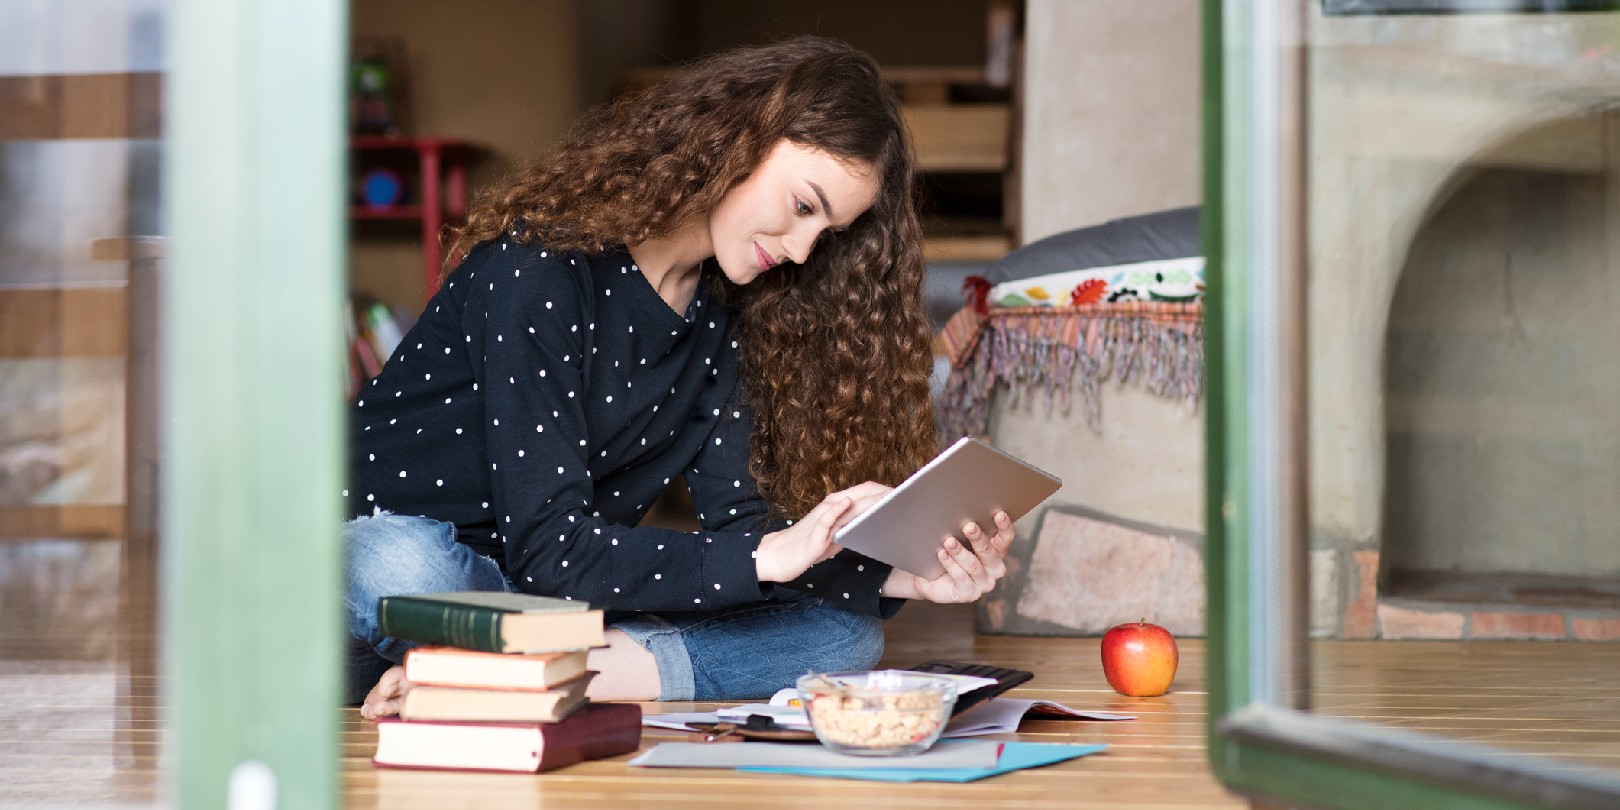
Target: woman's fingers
[(999, 541), (785, 554), (973, 568), (828, 523), (862, 497), (1004, 533), (964, 556), (983, 564), (956, 584), (832, 510), (970, 572), (966, 577), (975, 536), (825, 513), (823, 521), (992, 549), (865, 489)]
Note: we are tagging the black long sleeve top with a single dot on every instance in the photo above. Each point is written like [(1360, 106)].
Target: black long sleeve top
[(543, 401)]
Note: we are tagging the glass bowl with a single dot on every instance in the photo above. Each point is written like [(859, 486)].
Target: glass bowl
[(881, 713)]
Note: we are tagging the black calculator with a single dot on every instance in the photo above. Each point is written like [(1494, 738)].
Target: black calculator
[(1005, 679)]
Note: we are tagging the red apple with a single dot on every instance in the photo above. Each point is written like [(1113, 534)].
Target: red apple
[(1139, 659)]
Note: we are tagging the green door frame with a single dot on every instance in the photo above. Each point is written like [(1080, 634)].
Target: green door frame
[(1254, 219), (252, 407)]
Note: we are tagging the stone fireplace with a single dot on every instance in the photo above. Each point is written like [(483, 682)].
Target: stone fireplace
[(1465, 252)]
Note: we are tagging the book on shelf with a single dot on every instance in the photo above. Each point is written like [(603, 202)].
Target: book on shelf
[(492, 621), (454, 666), (383, 328), (351, 359), (472, 704), (596, 731), (372, 332), (366, 355)]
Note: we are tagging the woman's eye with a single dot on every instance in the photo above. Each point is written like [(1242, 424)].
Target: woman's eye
[(801, 207)]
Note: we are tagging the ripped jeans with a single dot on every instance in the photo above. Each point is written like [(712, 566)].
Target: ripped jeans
[(739, 653)]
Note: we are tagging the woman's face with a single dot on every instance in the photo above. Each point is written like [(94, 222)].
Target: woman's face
[(779, 211)]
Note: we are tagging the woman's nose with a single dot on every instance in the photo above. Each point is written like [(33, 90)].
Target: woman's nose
[(799, 242)]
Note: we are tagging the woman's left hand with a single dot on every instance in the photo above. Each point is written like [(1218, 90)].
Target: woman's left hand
[(971, 569)]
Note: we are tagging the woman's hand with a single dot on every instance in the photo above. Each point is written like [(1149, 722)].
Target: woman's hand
[(971, 569), (786, 554), (386, 697)]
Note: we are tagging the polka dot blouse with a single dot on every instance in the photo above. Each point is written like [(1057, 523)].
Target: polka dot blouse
[(543, 401)]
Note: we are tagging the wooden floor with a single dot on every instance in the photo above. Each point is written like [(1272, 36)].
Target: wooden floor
[(61, 723)]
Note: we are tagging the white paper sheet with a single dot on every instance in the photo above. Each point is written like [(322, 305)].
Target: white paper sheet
[(975, 754), (994, 716)]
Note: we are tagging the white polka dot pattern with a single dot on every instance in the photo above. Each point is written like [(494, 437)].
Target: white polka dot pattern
[(610, 446)]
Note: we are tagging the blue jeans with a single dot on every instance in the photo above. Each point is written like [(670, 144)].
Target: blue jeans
[(739, 653)]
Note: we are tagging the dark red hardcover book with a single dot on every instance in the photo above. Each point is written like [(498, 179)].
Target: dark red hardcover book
[(596, 731)]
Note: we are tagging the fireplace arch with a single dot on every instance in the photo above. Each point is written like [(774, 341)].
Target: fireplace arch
[(1501, 425), (1391, 173)]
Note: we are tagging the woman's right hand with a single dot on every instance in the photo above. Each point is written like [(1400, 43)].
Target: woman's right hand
[(788, 553)]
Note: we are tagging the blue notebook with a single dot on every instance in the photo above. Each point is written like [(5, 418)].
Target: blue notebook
[(1014, 756)]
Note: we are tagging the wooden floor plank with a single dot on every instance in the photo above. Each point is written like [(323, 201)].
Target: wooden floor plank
[(70, 736)]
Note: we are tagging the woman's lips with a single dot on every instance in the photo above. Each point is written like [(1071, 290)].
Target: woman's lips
[(765, 261)]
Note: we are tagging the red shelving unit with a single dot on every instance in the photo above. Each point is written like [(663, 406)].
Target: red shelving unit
[(438, 178)]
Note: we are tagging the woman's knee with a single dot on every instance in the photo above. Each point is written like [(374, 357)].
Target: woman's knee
[(754, 651), (392, 554), (414, 551), (850, 641)]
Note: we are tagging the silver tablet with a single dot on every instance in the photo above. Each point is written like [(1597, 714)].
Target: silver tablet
[(969, 481)]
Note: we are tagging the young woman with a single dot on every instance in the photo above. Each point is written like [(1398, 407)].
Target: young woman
[(720, 279)]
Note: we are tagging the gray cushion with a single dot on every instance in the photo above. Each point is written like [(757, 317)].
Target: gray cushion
[(1169, 234)]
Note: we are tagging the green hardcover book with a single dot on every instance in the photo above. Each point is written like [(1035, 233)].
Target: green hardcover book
[(492, 621)]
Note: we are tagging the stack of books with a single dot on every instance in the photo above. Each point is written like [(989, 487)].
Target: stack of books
[(499, 685)]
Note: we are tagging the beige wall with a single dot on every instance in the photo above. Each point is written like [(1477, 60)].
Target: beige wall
[(504, 73), (1111, 115)]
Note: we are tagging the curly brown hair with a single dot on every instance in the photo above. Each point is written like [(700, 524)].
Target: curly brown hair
[(835, 353)]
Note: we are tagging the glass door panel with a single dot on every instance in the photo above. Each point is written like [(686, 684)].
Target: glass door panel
[(1414, 443), (1464, 439), (170, 202), (80, 145)]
